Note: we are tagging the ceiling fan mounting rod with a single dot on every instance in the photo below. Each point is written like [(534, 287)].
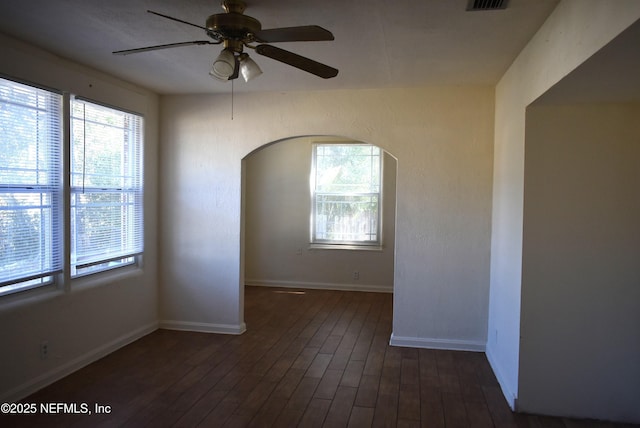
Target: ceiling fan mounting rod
[(233, 6)]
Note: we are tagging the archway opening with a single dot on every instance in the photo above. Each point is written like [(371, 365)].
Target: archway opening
[(276, 212)]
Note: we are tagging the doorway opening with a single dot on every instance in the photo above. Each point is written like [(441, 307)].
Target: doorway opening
[(276, 223)]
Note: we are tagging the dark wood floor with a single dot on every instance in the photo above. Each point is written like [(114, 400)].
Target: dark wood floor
[(308, 358)]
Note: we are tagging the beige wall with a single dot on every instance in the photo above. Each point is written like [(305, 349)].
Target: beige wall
[(441, 137), (84, 319), (574, 31), (580, 321), (277, 220)]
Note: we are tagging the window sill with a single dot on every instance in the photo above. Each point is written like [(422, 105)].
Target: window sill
[(105, 277), (348, 247), (11, 301)]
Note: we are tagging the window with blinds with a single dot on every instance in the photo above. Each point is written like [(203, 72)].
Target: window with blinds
[(346, 194), (106, 187), (30, 186)]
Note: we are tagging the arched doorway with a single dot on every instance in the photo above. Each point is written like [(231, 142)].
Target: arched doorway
[(276, 210)]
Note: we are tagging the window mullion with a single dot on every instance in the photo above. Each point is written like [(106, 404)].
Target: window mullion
[(65, 226)]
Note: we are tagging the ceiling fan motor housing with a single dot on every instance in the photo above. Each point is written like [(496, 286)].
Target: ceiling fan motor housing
[(233, 25)]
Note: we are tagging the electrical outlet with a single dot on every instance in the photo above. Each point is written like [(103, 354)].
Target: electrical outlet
[(356, 275), (44, 350)]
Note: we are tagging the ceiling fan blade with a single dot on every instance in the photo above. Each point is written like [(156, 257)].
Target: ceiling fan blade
[(178, 20), (297, 61), (169, 45), (308, 33)]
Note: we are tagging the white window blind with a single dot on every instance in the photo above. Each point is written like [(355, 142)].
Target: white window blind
[(346, 193), (106, 187), (30, 186)]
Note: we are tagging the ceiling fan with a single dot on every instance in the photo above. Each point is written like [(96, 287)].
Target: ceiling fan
[(235, 31)]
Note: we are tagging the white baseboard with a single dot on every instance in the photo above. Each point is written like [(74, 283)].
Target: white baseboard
[(203, 327), (74, 365), (509, 395), (446, 344), (320, 285)]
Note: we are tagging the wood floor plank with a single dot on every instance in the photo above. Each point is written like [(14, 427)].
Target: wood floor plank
[(409, 371), (431, 409), (392, 358), (200, 409), (352, 374), (409, 402), (367, 391), (297, 404), (455, 413), (340, 410), (269, 412), (330, 344), (319, 365), (405, 423), (478, 415), (340, 358), (362, 345), (329, 384), (305, 358), (428, 365), (367, 333), (315, 413), (333, 306), (501, 415), (386, 412), (256, 398), (289, 383), (361, 417)]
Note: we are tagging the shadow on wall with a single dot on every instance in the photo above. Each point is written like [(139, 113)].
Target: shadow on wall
[(276, 210)]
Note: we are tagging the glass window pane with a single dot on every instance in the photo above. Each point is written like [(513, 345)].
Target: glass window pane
[(30, 186), (346, 218), (107, 190), (346, 193), (348, 168)]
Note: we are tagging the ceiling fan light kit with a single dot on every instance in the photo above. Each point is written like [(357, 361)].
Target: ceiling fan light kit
[(237, 31), (224, 66), (248, 67)]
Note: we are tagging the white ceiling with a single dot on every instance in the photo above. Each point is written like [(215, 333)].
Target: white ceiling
[(399, 43)]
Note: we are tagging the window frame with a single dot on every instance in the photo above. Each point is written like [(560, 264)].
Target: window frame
[(54, 188), (135, 191), (61, 280), (318, 243)]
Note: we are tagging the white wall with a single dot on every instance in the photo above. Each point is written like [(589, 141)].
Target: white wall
[(442, 140), (574, 31), (277, 221), (580, 324), (87, 318)]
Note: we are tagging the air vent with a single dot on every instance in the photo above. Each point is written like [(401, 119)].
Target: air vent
[(476, 5)]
